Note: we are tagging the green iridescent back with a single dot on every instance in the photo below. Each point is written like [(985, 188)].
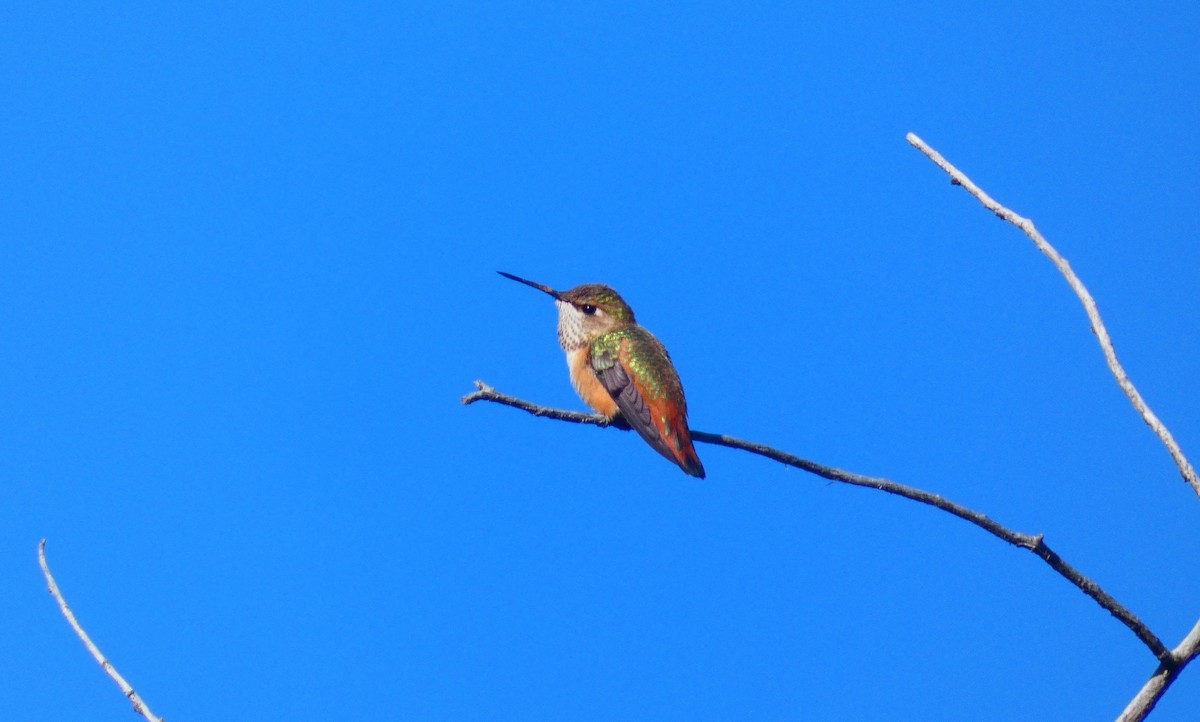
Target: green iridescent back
[(645, 358)]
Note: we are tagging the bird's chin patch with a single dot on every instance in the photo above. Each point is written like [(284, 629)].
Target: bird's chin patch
[(570, 326)]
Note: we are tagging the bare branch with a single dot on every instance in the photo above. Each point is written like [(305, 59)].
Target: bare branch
[(1172, 663), (487, 393), (1089, 304), (1168, 670), (1035, 544), (139, 705)]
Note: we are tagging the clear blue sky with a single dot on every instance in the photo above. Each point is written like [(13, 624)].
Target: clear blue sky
[(248, 269)]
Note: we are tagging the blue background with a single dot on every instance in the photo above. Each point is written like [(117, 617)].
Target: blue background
[(247, 271)]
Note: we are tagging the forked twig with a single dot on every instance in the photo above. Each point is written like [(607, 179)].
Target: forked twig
[(1033, 543), (139, 705), (1089, 305), (1168, 669)]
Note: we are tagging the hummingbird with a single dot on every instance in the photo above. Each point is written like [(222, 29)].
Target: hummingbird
[(620, 369)]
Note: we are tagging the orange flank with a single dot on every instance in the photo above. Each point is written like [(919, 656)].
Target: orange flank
[(589, 388)]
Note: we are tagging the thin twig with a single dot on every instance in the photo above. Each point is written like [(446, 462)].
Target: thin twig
[(1089, 304), (1035, 544), (139, 705)]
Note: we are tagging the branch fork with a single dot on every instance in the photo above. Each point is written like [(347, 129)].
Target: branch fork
[(1171, 661)]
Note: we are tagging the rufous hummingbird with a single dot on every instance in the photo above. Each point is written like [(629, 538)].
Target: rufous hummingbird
[(620, 368)]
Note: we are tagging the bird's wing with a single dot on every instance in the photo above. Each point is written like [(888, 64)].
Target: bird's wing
[(665, 429)]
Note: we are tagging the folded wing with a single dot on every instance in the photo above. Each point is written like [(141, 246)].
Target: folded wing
[(635, 369)]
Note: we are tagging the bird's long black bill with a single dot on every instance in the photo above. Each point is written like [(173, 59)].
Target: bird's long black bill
[(538, 286)]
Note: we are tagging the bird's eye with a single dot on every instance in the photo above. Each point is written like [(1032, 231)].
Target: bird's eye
[(589, 309)]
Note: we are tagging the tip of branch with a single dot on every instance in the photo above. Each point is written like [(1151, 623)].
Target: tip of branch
[(482, 391)]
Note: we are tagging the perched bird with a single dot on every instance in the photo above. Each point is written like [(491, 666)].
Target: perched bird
[(618, 367)]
